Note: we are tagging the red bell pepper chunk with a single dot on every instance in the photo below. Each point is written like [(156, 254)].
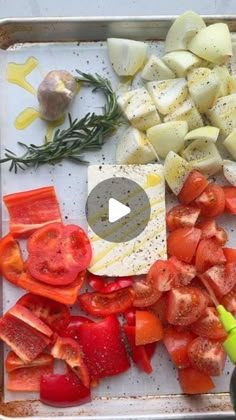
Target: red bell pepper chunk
[(72, 328), (63, 390), (14, 362), (28, 378), (20, 312), (139, 354), (103, 348), (106, 285), (29, 210)]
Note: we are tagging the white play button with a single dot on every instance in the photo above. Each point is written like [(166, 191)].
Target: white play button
[(116, 210)]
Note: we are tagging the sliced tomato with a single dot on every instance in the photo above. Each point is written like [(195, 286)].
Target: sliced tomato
[(107, 284), (145, 294), (210, 229), (230, 254), (208, 254), (54, 314), (27, 379), (11, 262), (207, 356), (24, 314), (69, 350), (162, 275), (222, 278), (192, 381), (138, 353), (185, 272), (193, 186), (148, 328), (73, 325), (14, 362), (31, 209), (229, 302), (181, 216), (159, 308), (185, 305), (212, 201), (24, 340), (182, 243), (58, 263), (176, 343), (63, 390), (104, 304), (103, 347), (209, 325), (230, 199)]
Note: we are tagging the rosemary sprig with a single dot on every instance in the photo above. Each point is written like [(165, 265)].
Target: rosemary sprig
[(88, 133)]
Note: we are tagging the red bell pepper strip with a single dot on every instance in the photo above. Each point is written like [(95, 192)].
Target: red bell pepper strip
[(20, 312), (28, 378), (63, 390), (29, 210), (103, 348), (106, 285), (138, 353), (14, 362)]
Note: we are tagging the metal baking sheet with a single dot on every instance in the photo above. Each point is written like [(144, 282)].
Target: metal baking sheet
[(70, 44)]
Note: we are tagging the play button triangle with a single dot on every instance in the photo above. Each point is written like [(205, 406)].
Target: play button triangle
[(116, 210)]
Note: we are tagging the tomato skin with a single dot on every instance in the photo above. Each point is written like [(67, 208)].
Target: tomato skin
[(230, 254), (229, 302), (193, 186), (185, 305), (212, 201), (181, 216), (182, 243), (208, 254), (222, 278), (148, 328), (207, 356), (162, 275), (138, 353), (209, 325), (210, 229), (104, 304), (192, 381), (230, 199), (176, 343), (63, 390)]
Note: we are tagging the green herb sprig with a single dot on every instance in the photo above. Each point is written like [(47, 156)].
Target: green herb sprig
[(90, 132)]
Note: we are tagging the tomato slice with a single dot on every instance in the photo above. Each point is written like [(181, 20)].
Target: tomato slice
[(104, 304), (185, 273), (208, 254), (14, 362), (182, 243), (230, 254), (185, 305), (27, 379), (69, 350), (31, 209), (54, 314), (230, 199), (210, 229), (192, 381), (193, 186), (176, 343), (148, 328), (207, 356), (63, 390), (209, 325), (162, 275), (138, 353), (212, 201), (222, 278), (229, 302), (181, 216)]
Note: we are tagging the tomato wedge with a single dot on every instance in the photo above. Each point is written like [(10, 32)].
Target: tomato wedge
[(139, 353), (222, 278), (193, 186), (159, 308), (185, 273), (192, 381), (212, 201), (209, 325), (162, 275), (181, 216), (207, 356), (210, 229), (208, 254), (229, 302), (182, 243), (176, 343), (230, 199), (230, 254), (145, 294), (148, 328), (58, 263)]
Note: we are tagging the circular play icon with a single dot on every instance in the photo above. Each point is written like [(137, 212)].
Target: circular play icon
[(118, 209)]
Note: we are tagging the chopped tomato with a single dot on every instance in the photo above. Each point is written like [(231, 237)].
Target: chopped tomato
[(212, 201), (209, 325), (230, 199), (11, 262), (145, 294), (159, 309), (73, 325), (27, 379), (229, 302), (181, 216), (176, 343), (54, 314), (31, 209), (185, 305), (162, 275), (207, 356), (68, 349), (24, 340), (210, 229), (20, 312), (185, 272), (138, 353), (104, 304), (63, 390), (222, 278), (192, 381), (183, 242), (193, 186), (58, 263), (148, 328), (14, 362), (208, 254), (103, 347), (107, 285), (230, 254)]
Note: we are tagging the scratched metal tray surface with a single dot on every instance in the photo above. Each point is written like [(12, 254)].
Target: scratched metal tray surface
[(71, 43)]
